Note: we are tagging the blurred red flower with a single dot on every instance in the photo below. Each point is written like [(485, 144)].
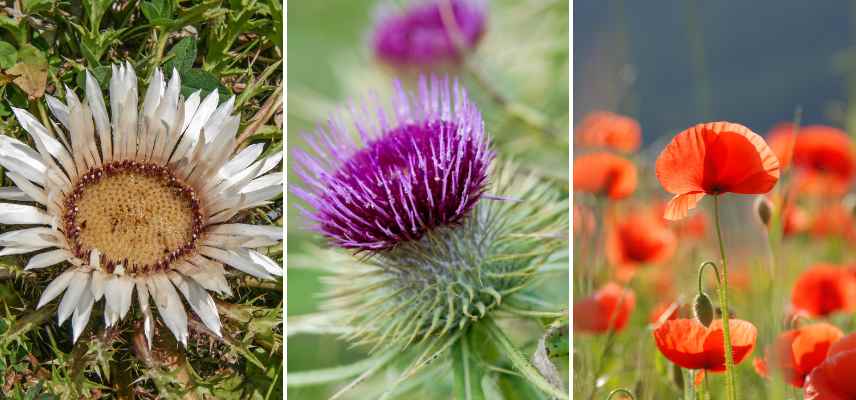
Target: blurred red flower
[(798, 351), (609, 130), (637, 240), (833, 379), (824, 289), (714, 158), (822, 156), (609, 307), (834, 220), (691, 345), (605, 174)]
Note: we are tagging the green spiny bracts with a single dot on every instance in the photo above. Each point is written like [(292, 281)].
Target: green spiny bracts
[(455, 275)]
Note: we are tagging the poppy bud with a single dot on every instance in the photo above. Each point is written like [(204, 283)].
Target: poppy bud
[(703, 309), (763, 210)]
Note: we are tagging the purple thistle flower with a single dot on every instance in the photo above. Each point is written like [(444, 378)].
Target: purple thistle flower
[(426, 170), (420, 36)]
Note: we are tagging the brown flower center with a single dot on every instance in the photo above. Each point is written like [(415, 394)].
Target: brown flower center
[(135, 214)]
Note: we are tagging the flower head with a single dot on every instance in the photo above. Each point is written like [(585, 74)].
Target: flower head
[(638, 240), (609, 130), (430, 32), (606, 309), (691, 345), (141, 202), (824, 289), (833, 378), (455, 275), (822, 156), (425, 170), (605, 174), (714, 158), (797, 352)]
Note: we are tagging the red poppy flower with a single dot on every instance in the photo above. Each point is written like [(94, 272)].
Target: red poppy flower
[(833, 379), (834, 220), (824, 289), (691, 345), (605, 174), (609, 307), (796, 352), (610, 130), (637, 240), (714, 158), (823, 156)]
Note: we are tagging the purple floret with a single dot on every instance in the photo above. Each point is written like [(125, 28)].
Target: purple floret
[(426, 170), (420, 36)]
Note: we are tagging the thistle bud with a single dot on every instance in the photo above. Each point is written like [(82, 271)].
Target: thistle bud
[(703, 309), (763, 210)]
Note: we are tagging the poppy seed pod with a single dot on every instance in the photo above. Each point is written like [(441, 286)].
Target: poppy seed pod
[(763, 210), (703, 309)]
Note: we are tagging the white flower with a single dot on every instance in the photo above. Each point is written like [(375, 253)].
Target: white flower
[(140, 201)]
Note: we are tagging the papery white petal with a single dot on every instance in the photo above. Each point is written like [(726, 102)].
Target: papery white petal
[(34, 192), (143, 299), (56, 287), (200, 301), (18, 214), (79, 283), (81, 314), (48, 258), (238, 260), (169, 306), (99, 115), (268, 263), (13, 194), (208, 273), (98, 283), (118, 291)]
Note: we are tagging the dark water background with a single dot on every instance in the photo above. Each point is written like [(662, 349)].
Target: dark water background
[(762, 59)]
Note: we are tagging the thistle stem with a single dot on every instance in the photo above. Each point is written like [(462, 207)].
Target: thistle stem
[(730, 383), (519, 361), (467, 377)]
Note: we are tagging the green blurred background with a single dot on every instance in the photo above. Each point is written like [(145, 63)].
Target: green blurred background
[(330, 62)]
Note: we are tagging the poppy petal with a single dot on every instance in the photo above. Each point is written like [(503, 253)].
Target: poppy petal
[(739, 160), (680, 205)]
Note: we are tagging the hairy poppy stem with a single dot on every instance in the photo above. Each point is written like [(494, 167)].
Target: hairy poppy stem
[(701, 274), (730, 383)]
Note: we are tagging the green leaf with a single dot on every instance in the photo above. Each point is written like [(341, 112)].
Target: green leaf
[(183, 55), (197, 79), (8, 55), (32, 6), (158, 12)]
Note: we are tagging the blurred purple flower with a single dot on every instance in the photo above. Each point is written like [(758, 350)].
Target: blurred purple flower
[(420, 36), (399, 180)]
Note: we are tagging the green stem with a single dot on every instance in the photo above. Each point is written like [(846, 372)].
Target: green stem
[(730, 383), (467, 376), (519, 361)]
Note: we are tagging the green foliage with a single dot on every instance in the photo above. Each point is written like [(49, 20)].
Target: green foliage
[(46, 45)]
